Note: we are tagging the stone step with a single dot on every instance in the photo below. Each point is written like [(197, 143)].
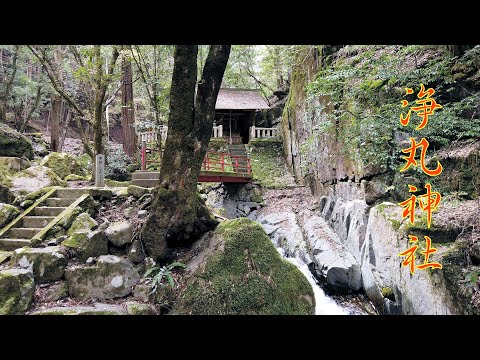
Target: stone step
[(37, 221), (145, 182), (12, 244), (59, 202), (23, 233), (48, 210), (138, 175), (70, 193)]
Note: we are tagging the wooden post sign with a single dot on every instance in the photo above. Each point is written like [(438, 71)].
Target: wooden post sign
[(100, 170)]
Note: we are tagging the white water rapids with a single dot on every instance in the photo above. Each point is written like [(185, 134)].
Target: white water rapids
[(324, 305)]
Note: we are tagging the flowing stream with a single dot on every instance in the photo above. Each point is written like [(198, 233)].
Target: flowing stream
[(325, 305)]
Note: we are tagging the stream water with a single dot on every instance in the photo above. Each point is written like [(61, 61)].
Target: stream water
[(355, 304)]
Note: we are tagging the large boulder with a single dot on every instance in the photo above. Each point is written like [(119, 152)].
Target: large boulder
[(12, 143), (332, 259), (87, 244), (47, 264), (34, 178), (110, 277), (63, 164), (120, 233), (17, 288), (238, 271), (7, 213), (83, 223)]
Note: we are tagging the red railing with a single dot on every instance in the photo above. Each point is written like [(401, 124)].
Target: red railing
[(224, 162), (214, 161)]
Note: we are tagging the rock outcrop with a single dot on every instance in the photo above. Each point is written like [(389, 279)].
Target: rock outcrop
[(12, 143), (108, 278), (238, 271)]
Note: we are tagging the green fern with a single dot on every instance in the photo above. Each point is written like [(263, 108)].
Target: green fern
[(159, 273)]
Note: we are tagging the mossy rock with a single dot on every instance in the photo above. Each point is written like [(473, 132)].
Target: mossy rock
[(47, 263), (115, 183), (17, 288), (87, 244), (7, 213), (75, 177), (240, 272), (63, 164), (82, 223), (12, 143)]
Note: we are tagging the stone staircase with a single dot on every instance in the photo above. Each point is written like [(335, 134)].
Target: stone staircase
[(239, 150), (145, 178), (39, 217)]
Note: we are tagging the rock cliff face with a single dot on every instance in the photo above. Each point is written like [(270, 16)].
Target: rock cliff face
[(341, 138)]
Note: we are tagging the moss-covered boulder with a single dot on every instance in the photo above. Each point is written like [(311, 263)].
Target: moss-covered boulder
[(47, 264), (34, 178), (7, 213), (63, 164), (81, 224), (17, 288), (240, 272), (87, 244), (12, 143), (110, 277)]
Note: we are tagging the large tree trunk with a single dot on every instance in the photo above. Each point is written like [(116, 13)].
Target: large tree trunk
[(178, 214), (128, 114), (55, 122)]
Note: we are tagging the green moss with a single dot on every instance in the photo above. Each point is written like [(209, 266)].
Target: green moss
[(247, 277), (75, 240), (217, 144), (268, 165), (387, 293), (74, 177), (82, 223), (39, 193), (257, 198), (114, 183), (63, 164), (438, 234)]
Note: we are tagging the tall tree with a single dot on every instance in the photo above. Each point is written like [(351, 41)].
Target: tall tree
[(55, 116), (178, 213), (128, 111), (8, 70), (88, 101)]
